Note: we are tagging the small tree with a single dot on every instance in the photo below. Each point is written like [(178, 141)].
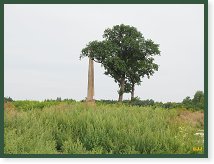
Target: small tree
[(198, 97), (198, 100), (187, 100)]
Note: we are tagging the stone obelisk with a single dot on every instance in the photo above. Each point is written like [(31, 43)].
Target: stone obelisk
[(90, 93)]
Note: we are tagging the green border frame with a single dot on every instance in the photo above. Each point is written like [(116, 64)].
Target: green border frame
[(204, 2)]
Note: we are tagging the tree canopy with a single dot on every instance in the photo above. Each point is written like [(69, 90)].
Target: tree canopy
[(125, 55)]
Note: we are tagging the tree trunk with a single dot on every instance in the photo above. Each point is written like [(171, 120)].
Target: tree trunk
[(132, 92), (121, 91)]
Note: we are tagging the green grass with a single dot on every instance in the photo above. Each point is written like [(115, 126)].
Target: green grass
[(74, 128)]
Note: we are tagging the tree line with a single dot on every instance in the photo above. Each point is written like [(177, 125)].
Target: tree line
[(196, 103)]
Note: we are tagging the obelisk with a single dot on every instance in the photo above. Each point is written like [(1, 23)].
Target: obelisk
[(90, 93)]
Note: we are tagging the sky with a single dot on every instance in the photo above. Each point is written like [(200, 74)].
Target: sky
[(43, 42)]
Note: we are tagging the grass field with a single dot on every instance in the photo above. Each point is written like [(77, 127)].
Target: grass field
[(74, 128)]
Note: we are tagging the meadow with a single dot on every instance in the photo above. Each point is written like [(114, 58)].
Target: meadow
[(32, 127)]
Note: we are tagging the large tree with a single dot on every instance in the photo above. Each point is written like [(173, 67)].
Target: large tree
[(125, 55), (141, 68)]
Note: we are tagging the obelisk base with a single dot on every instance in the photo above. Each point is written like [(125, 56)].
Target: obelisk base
[(90, 102)]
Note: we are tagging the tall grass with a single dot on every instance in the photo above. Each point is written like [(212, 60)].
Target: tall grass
[(75, 128)]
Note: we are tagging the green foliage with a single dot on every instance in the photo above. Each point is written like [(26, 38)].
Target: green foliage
[(187, 103), (58, 99), (197, 103), (198, 100), (8, 99), (30, 105), (138, 102), (187, 100), (125, 54), (74, 128)]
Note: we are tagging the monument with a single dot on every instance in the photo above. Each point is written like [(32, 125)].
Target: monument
[(90, 93)]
